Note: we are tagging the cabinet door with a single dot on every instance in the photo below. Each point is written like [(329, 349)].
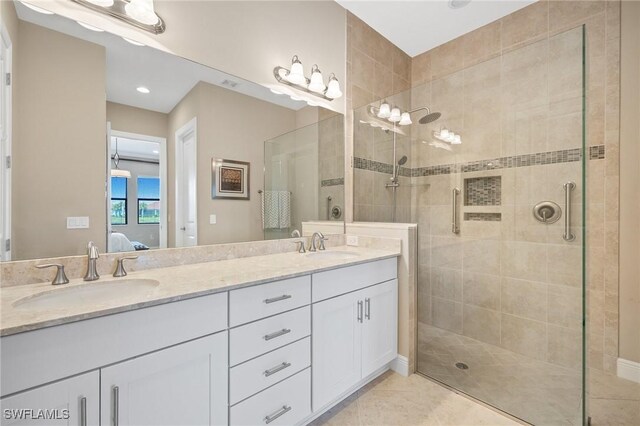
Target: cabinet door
[(71, 401), (380, 327), (336, 347), (181, 385)]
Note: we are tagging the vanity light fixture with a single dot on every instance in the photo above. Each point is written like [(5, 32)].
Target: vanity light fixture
[(90, 27), (117, 171), (139, 13), (384, 111), (405, 119), (394, 115), (445, 135), (295, 78), (143, 89), (37, 9)]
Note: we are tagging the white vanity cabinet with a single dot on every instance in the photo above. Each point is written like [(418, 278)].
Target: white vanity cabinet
[(354, 334), (73, 401), (182, 385)]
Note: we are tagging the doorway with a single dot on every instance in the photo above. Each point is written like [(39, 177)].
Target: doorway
[(186, 187)]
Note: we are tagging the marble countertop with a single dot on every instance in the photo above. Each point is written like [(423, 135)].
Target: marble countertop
[(174, 284)]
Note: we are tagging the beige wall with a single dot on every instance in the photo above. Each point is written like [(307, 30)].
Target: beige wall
[(59, 144), (125, 118), (243, 38), (230, 126), (629, 178)]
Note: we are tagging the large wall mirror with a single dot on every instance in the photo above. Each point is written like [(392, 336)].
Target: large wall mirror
[(137, 149)]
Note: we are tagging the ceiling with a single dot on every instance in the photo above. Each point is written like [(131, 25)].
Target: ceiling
[(168, 77), (420, 25), (136, 149)]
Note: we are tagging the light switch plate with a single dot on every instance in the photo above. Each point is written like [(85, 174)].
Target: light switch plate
[(78, 222), (213, 219), (352, 240)]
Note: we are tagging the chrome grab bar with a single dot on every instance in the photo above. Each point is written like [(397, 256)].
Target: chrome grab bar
[(454, 219), (115, 407), (271, 417), (277, 299), (277, 334), (277, 368), (568, 188)]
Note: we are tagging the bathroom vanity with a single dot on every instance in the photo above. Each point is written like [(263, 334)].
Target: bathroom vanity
[(252, 347)]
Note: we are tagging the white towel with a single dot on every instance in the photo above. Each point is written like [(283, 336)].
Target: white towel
[(276, 209), (118, 242)]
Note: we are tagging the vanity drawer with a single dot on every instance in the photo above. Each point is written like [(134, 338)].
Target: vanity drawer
[(260, 373), (344, 280), (251, 340), (252, 303), (286, 403)]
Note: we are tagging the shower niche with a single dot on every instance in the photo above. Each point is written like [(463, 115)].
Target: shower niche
[(482, 192)]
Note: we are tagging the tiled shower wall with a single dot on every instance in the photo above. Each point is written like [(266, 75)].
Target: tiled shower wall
[(369, 52)]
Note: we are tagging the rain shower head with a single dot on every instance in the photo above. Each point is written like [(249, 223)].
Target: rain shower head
[(430, 118)]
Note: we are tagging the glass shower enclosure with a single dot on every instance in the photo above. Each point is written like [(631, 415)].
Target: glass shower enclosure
[(500, 217)]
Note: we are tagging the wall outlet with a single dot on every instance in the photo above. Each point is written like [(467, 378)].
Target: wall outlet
[(78, 222), (213, 219), (352, 240)]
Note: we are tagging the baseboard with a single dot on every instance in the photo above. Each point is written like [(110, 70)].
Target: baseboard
[(401, 365), (629, 370)]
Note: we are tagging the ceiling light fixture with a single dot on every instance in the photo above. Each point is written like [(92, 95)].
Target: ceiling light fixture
[(295, 78), (135, 43), (139, 13), (37, 9), (90, 27), (143, 89), (458, 4)]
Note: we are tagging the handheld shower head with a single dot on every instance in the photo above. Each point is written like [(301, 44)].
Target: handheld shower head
[(401, 162)]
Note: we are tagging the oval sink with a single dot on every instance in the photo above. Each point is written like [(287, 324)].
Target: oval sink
[(333, 254), (96, 292)]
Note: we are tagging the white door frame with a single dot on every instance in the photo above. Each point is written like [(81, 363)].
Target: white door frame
[(190, 128), (163, 177), (5, 144)]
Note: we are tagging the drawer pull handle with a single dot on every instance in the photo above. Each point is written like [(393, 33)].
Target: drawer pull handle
[(359, 310), (271, 417), (277, 299), (277, 368), (277, 334), (115, 408), (367, 308), (83, 411)]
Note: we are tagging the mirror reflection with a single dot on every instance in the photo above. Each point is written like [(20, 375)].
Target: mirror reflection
[(137, 149)]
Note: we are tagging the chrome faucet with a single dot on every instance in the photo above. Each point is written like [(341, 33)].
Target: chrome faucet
[(320, 238), (295, 234), (92, 257), (61, 277)]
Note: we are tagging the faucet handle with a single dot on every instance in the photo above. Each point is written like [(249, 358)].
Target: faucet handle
[(61, 277), (322, 239), (120, 271), (300, 246)]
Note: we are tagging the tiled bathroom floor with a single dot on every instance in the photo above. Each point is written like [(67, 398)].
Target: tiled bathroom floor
[(535, 391), (409, 401)]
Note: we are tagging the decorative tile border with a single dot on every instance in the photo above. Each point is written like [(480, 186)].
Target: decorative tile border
[(525, 160), (332, 182)]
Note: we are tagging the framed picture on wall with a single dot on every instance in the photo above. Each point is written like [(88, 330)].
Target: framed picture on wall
[(229, 179)]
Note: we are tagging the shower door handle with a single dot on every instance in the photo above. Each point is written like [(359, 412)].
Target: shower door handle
[(568, 188), (454, 219)]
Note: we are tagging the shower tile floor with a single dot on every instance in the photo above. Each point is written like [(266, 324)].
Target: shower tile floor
[(535, 391)]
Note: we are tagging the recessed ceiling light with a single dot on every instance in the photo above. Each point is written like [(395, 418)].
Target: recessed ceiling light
[(37, 9), (143, 89), (155, 151), (90, 27), (135, 43), (458, 4)]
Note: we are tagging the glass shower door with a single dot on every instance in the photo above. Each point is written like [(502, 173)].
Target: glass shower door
[(500, 280)]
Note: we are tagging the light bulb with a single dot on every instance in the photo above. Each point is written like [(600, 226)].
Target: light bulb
[(316, 84), (395, 115), (385, 110), (296, 75), (444, 134), (333, 91), (405, 119), (142, 11), (457, 140), (102, 3)]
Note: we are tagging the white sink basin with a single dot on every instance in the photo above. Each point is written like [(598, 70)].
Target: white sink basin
[(333, 254), (95, 292)]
